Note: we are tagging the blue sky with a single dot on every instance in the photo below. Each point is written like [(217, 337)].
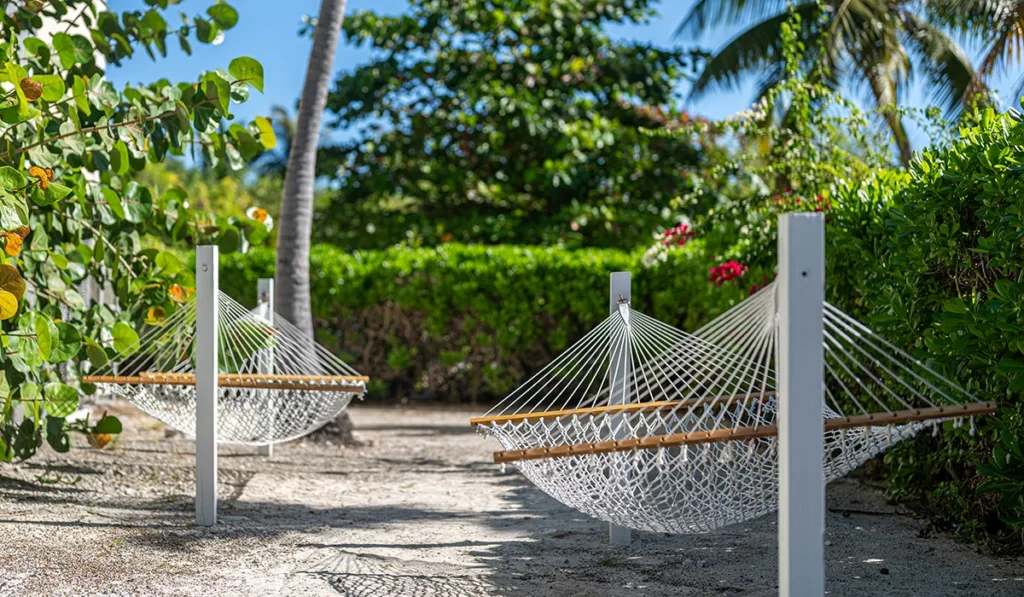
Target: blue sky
[(267, 30)]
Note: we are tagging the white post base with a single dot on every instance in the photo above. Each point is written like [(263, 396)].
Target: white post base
[(619, 536)]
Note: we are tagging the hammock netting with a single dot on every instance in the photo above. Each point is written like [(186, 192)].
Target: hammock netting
[(649, 427), (274, 383)]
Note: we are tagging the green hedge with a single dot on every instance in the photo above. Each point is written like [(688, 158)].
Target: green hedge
[(941, 271), (469, 322)]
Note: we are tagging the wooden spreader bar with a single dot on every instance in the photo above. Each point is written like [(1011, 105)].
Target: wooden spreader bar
[(743, 433), (642, 407), (323, 383)]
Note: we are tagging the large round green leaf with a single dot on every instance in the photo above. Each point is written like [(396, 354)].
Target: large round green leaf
[(248, 70), (96, 355), (56, 436), (68, 343), (125, 337), (65, 49), (59, 400), (137, 202), (11, 179), (229, 239), (108, 424), (266, 134), (53, 87), (119, 158), (168, 263), (224, 15), (46, 335), (28, 391), (113, 201)]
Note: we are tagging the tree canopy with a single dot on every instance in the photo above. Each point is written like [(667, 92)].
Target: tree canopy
[(506, 121)]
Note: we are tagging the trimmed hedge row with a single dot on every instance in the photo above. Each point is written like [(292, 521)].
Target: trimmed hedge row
[(469, 322)]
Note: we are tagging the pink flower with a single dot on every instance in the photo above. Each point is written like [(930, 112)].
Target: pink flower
[(677, 235)]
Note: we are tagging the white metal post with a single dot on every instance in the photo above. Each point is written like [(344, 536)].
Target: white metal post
[(801, 295), (619, 384), (265, 300), (207, 320)]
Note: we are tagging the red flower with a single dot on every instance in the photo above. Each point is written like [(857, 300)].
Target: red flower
[(730, 270)]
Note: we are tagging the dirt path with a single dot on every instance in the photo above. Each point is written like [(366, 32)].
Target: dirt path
[(419, 512)]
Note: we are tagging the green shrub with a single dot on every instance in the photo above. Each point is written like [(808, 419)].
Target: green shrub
[(942, 272), (469, 322)]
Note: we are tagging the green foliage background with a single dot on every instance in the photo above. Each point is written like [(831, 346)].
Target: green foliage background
[(506, 121)]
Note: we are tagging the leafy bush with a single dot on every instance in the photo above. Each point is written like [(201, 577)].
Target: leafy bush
[(944, 275), (71, 209), (469, 322)]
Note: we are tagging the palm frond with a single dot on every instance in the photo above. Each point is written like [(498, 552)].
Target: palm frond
[(969, 17), (708, 14), (1005, 45), (951, 77), (750, 51), (886, 94)]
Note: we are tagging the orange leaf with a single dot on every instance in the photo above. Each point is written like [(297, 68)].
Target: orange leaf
[(179, 294), (155, 315), (99, 440), (45, 175), (258, 213), (32, 89), (12, 244), (11, 281)]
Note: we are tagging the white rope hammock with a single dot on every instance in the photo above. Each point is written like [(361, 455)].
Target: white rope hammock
[(274, 384), (648, 427)]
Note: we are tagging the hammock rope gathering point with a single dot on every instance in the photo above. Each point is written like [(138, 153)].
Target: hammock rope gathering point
[(220, 372), (645, 426)]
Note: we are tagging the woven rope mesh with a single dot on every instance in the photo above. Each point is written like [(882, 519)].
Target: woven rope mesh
[(276, 385), (635, 378)]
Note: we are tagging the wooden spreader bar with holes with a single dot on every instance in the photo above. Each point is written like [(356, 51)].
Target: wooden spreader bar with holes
[(742, 433), (641, 407), (320, 383)]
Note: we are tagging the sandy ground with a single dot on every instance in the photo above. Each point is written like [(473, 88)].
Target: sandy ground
[(421, 512)]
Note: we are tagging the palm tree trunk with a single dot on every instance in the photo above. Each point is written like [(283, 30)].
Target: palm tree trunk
[(295, 223), (296, 220)]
